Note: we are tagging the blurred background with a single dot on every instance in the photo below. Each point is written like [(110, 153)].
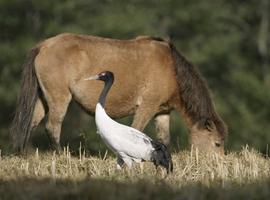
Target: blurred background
[(228, 41)]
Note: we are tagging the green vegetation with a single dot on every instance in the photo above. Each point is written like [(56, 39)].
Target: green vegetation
[(228, 40), (47, 176)]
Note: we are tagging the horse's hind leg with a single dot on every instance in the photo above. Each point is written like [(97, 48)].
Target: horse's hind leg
[(39, 113), (162, 124), (57, 105)]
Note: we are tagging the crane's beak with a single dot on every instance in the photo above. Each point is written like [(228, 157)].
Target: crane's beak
[(95, 77)]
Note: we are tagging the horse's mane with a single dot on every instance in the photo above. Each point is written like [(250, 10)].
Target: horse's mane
[(194, 94), (145, 37)]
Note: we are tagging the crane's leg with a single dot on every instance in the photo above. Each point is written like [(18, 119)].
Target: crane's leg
[(124, 159), (120, 163), (162, 124), (142, 167), (128, 161)]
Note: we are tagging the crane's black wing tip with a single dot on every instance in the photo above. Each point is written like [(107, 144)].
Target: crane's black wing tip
[(161, 156)]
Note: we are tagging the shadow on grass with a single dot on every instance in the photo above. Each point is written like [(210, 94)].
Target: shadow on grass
[(27, 188)]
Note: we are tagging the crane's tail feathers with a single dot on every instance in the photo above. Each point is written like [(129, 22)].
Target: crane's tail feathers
[(161, 156)]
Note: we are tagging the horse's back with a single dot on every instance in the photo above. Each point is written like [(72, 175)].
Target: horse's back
[(142, 67)]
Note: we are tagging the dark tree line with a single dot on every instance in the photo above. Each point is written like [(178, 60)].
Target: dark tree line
[(228, 40)]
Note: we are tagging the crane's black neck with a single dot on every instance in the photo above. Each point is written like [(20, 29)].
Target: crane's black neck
[(107, 87)]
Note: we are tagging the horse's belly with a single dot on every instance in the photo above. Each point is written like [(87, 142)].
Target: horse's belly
[(119, 103)]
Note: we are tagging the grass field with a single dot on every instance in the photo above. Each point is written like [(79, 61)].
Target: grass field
[(241, 175)]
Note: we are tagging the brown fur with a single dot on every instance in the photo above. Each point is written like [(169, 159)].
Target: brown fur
[(197, 105), (151, 78)]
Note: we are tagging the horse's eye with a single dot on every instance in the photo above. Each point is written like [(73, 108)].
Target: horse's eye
[(217, 144)]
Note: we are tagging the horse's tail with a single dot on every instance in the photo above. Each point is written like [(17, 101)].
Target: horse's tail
[(194, 93), (21, 124)]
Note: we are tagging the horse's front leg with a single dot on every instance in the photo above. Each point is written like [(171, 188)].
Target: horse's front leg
[(162, 122), (142, 117)]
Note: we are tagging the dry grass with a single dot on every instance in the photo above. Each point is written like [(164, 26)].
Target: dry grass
[(245, 174)]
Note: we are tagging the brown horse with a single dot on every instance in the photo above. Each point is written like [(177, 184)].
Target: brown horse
[(151, 79)]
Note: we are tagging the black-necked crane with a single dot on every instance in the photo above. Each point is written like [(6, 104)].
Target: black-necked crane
[(127, 143)]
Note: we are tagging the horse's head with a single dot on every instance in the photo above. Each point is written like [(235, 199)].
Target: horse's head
[(208, 136)]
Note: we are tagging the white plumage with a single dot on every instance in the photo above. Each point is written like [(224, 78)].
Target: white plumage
[(127, 143)]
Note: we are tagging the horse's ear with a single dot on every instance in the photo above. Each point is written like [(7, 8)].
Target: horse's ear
[(209, 125)]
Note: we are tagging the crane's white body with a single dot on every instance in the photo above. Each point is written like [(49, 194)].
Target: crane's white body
[(126, 142)]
